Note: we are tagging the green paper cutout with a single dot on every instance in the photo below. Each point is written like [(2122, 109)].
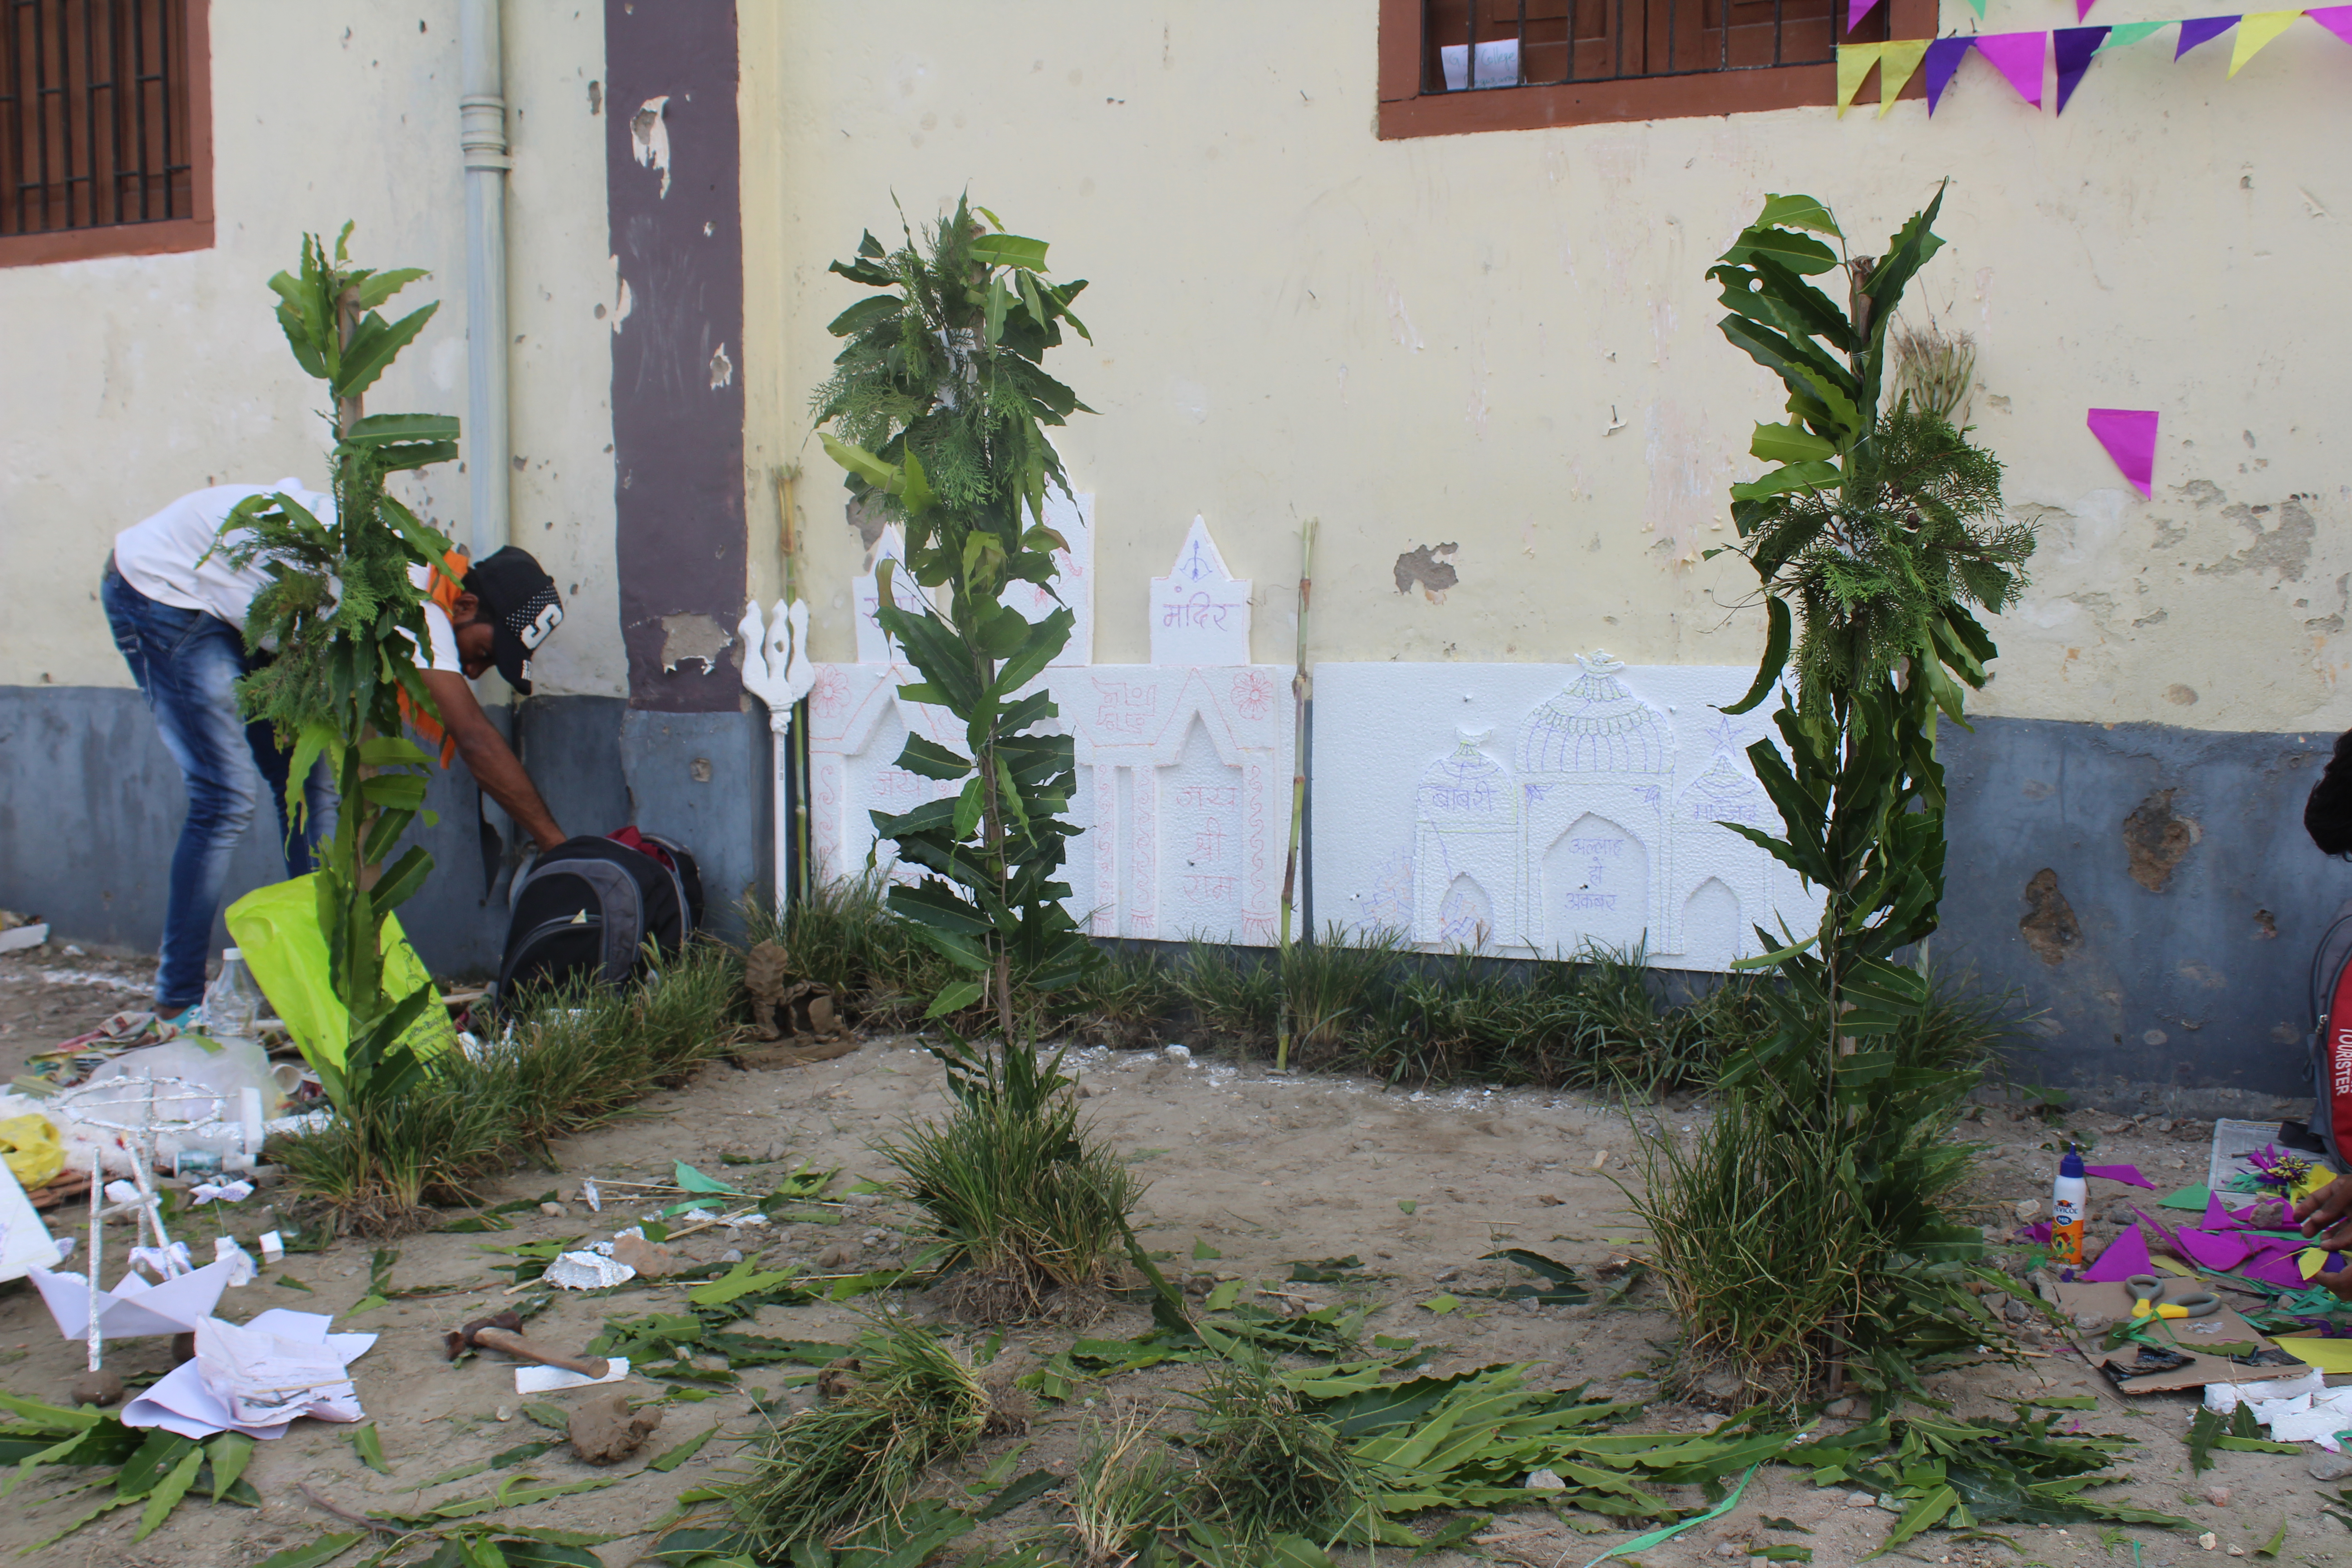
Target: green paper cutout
[(2118, 36)]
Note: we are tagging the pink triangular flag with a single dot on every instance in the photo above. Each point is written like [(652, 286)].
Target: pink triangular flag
[(2083, 9), (1856, 10), (2217, 1217), (2128, 1174), (2017, 56), (2210, 1251), (2129, 436), (2337, 19), (2126, 1256)]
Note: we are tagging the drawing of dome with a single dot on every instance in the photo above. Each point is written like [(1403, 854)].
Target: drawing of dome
[(1724, 793), (1596, 726), (1467, 789)]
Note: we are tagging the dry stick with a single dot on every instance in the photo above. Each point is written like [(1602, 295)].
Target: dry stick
[(1300, 686)]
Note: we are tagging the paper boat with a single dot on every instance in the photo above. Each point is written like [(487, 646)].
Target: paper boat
[(134, 1307)]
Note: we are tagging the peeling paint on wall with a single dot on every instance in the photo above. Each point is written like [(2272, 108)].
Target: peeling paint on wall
[(649, 130), (2285, 548), (2048, 926), (722, 369), (1688, 475), (2157, 839), (687, 638), (1429, 568)]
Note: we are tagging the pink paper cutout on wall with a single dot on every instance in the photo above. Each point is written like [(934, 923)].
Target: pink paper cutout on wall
[(1943, 57), (2198, 29), (2210, 1251), (2128, 1174), (2124, 1256), (2129, 436), (2072, 48), (1856, 10), (2017, 56), (2337, 19)]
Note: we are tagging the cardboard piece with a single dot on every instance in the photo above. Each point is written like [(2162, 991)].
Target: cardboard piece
[(2109, 1299)]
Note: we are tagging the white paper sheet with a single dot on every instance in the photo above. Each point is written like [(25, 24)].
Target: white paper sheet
[(134, 1307), (25, 1241), (268, 1378), (180, 1403), (552, 1379)]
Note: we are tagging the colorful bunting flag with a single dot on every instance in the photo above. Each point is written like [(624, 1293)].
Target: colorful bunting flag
[(1898, 61), (1854, 63), (2129, 436), (2017, 56), (2337, 19), (2198, 29), (1856, 10), (2255, 29), (2082, 9), (2127, 33), (2072, 48), (1943, 57)]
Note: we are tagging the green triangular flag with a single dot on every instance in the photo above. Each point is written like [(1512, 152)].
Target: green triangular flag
[(2122, 33)]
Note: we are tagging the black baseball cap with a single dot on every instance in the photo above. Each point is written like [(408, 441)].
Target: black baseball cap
[(520, 600)]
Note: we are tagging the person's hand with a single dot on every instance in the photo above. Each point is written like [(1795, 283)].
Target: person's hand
[(2324, 1210)]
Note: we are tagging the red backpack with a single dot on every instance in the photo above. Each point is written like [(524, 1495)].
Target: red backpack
[(2331, 1037)]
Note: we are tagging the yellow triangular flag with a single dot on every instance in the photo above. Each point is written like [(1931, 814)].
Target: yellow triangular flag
[(1855, 61), (2255, 29), (1897, 61)]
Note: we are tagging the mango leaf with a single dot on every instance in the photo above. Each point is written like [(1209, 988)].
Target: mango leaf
[(169, 1491), (963, 994), (683, 1452), (1796, 252), (1790, 477), (1777, 635), (1009, 251), (317, 1554), (229, 1453), (1797, 211), (863, 463), (1790, 443), (374, 347)]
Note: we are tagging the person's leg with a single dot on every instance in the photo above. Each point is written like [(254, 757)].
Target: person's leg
[(187, 664), (298, 846)]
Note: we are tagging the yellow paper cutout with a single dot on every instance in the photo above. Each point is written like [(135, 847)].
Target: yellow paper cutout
[(2311, 1260), (2169, 1266), (1897, 62), (2317, 1176), (2256, 29), (1854, 63), (2327, 1355)]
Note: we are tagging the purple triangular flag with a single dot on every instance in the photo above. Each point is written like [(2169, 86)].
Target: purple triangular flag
[(2218, 1218), (2210, 1251), (2198, 29), (2126, 1256), (2128, 1174), (1943, 57), (2074, 48)]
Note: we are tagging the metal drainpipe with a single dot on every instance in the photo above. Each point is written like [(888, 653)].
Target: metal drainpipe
[(482, 131)]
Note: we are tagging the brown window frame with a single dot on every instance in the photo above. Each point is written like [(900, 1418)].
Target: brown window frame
[(154, 236), (1405, 110)]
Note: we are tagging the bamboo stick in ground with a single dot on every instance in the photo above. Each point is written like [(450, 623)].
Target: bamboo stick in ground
[(1301, 686)]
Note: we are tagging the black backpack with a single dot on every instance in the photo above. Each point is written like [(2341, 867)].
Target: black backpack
[(587, 907)]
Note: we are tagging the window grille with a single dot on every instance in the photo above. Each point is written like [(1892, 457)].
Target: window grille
[(95, 115)]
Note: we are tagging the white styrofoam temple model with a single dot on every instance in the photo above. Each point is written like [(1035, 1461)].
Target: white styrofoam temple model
[(1535, 809)]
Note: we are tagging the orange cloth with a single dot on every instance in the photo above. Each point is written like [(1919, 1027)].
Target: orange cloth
[(448, 581)]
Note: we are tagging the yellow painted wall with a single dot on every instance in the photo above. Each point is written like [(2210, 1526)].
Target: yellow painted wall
[(1504, 341), (129, 381)]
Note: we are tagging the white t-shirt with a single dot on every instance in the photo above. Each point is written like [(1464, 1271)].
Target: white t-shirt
[(171, 558)]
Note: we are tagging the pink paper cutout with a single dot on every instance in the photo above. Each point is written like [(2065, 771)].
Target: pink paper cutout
[(2337, 19), (1943, 57), (2017, 56), (2126, 1256), (2083, 9), (2128, 1174), (2278, 1269), (2198, 29), (2217, 1217), (2129, 436), (2210, 1251), (1855, 11)]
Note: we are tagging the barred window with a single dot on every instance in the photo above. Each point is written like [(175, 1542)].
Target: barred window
[(105, 128), (1452, 66)]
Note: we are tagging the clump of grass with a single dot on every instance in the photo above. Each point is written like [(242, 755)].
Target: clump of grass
[(1125, 1000), (1234, 993), (576, 1057), (1126, 1487), (828, 1472), (1336, 985), (1030, 1207), (1269, 1466)]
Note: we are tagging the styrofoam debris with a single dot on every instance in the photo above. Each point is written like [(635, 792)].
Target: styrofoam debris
[(587, 1271), (550, 1379), (2224, 1398)]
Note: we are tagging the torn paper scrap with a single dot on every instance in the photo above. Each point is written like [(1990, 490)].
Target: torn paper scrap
[(2224, 1398), (179, 1403), (134, 1307), (553, 1379), (587, 1271), (266, 1379), (2128, 1174)]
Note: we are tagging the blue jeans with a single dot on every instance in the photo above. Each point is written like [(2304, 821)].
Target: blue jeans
[(187, 664)]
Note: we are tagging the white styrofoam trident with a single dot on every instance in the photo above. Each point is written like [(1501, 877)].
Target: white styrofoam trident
[(777, 671)]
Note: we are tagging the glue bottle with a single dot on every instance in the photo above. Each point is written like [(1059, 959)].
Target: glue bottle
[(2067, 1194)]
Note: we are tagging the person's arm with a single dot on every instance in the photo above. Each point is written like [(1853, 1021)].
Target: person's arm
[(493, 762)]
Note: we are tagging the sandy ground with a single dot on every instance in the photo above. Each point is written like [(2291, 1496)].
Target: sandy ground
[(1265, 1170)]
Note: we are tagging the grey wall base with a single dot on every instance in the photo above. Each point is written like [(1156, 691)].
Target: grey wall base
[(2150, 894), (90, 806)]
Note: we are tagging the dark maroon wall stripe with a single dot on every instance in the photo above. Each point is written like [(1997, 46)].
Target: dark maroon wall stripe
[(678, 439)]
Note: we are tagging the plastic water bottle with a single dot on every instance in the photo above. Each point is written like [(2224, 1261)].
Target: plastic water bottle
[(232, 1002), (2067, 1196)]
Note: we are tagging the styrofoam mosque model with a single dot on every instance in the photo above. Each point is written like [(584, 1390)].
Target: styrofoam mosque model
[(1558, 807), (1524, 809)]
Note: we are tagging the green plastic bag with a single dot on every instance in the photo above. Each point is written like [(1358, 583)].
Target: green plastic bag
[(277, 928)]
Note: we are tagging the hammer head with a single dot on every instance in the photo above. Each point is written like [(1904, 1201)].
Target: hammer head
[(457, 1341)]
